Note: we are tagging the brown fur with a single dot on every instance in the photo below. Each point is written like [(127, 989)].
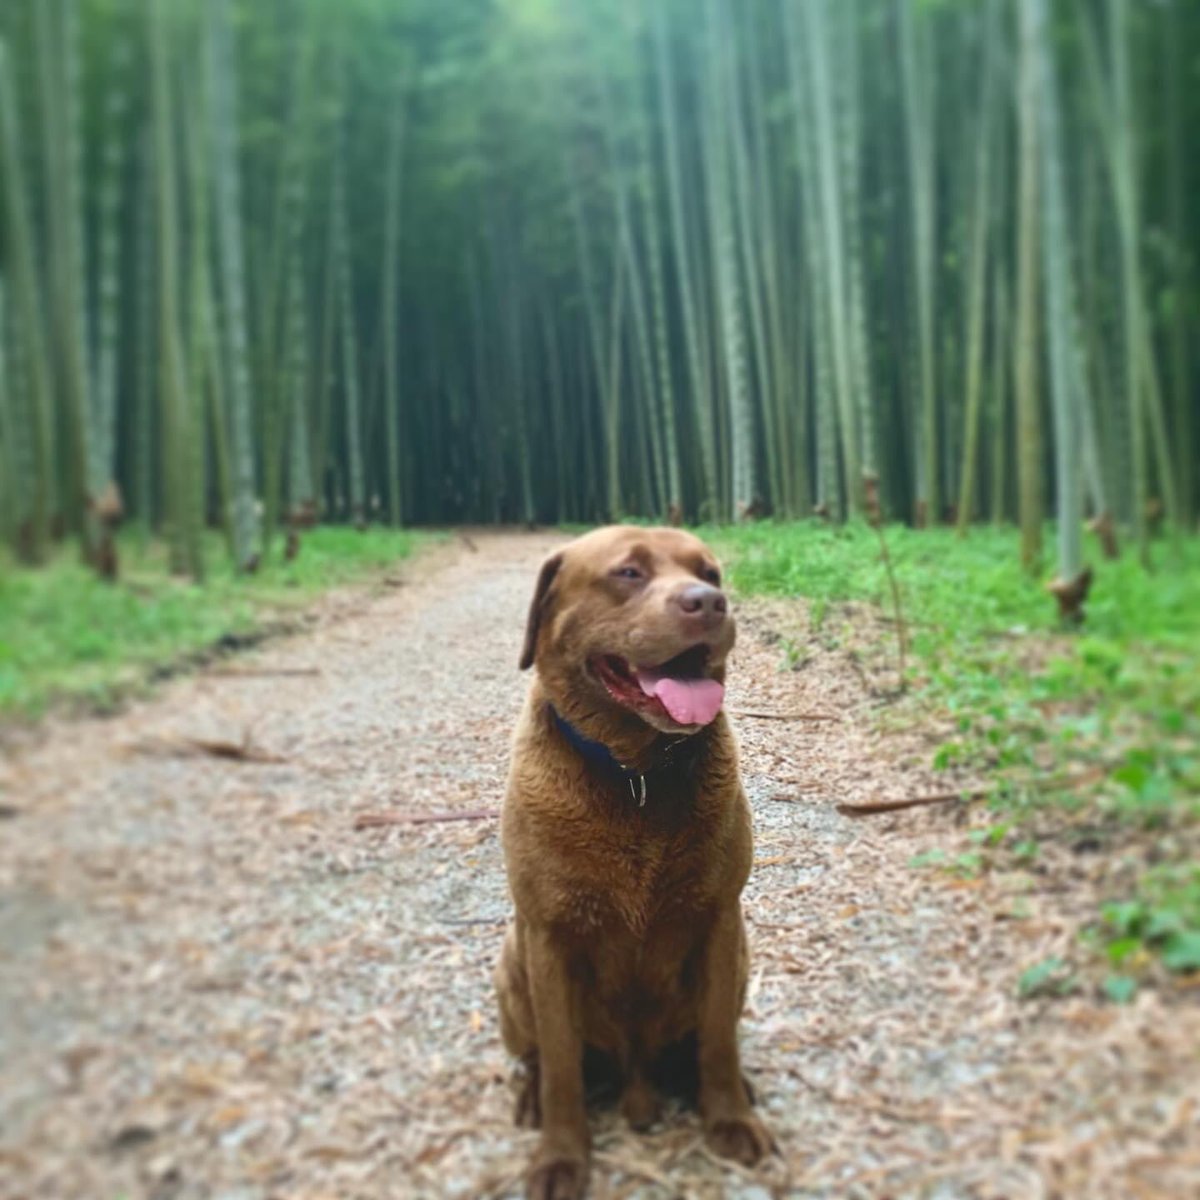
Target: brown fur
[(628, 943)]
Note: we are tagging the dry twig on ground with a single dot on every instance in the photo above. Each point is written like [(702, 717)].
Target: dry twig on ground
[(380, 820), (781, 716), (185, 745)]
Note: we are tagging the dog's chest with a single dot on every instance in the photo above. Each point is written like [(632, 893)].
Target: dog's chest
[(636, 878)]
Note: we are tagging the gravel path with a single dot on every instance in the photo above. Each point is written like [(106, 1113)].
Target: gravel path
[(213, 985)]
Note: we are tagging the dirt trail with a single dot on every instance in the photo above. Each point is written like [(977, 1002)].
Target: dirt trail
[(212, 985)]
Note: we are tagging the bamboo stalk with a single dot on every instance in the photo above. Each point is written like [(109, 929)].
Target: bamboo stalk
[(30, 340), (246, 532), (1029, 442), (389, 266), (977, 272)]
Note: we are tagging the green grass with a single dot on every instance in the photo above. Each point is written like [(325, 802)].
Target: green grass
[(68, 637), (1116, 703)]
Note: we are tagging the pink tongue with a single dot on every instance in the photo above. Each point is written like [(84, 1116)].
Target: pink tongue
[(689, 701)]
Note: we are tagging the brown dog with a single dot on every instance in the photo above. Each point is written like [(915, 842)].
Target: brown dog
[(627, 842)]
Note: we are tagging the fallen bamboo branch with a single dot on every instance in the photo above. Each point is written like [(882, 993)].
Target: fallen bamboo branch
[(243, 751), (781, 716), (873, 807), (255, 672), (381, 820)]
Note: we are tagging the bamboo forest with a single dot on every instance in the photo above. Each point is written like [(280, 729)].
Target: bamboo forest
[(401, 261), (835, 822)]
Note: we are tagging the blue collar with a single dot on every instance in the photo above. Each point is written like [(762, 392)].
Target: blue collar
[(598, 755), (595, 753)]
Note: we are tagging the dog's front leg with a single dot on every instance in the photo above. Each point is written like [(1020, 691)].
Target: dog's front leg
[(730, 1125), (559, 1169)]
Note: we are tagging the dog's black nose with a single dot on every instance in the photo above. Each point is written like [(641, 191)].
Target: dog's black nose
[(705, 602)]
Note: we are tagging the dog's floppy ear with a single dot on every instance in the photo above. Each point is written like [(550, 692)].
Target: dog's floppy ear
[(537, 608)]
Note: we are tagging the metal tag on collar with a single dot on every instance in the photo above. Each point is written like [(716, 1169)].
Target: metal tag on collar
[(638, 791)]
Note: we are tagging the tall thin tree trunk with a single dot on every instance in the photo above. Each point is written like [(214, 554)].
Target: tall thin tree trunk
[(102, 465), (728, 296), (827, 494), (624, 233), (390, 315), (833, 290), (698, 374), (977, 273), (1056, 259), (351, 383), (147, 341), (246, 531), (851, 129), (1118, 138), (918, 107), (662, 348), (612, 401), (646, 377), (1029, 435), (759, 193), (27, 319), (1001, 348), (75, 340), (558, 410), (199, 349), (65, 448), (323, 381), (1178, 189), (270, 270), (760, 380), (14, 430), (186, 550)]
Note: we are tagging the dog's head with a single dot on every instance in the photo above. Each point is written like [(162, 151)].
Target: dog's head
[(632, 619)]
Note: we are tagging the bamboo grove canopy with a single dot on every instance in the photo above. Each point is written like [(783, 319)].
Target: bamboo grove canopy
[(269, 261)]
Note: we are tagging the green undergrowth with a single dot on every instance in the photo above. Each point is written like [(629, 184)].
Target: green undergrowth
[(67, 637), (1089, 737)]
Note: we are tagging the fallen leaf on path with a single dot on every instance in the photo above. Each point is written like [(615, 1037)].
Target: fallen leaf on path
[(130, 1137)]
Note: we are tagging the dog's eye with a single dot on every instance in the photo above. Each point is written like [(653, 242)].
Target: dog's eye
[(711, 575), (628, 572)]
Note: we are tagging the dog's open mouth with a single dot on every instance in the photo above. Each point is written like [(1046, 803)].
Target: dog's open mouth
[(679, 688)]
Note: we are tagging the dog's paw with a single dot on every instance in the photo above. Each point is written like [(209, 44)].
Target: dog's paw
[(527, 1111), (640, 1105), (744, 1139), (557, 1179)]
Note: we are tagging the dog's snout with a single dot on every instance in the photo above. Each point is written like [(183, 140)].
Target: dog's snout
[(704, 602)]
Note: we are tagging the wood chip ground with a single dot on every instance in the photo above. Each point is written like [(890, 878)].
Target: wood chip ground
[(213, 985)]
